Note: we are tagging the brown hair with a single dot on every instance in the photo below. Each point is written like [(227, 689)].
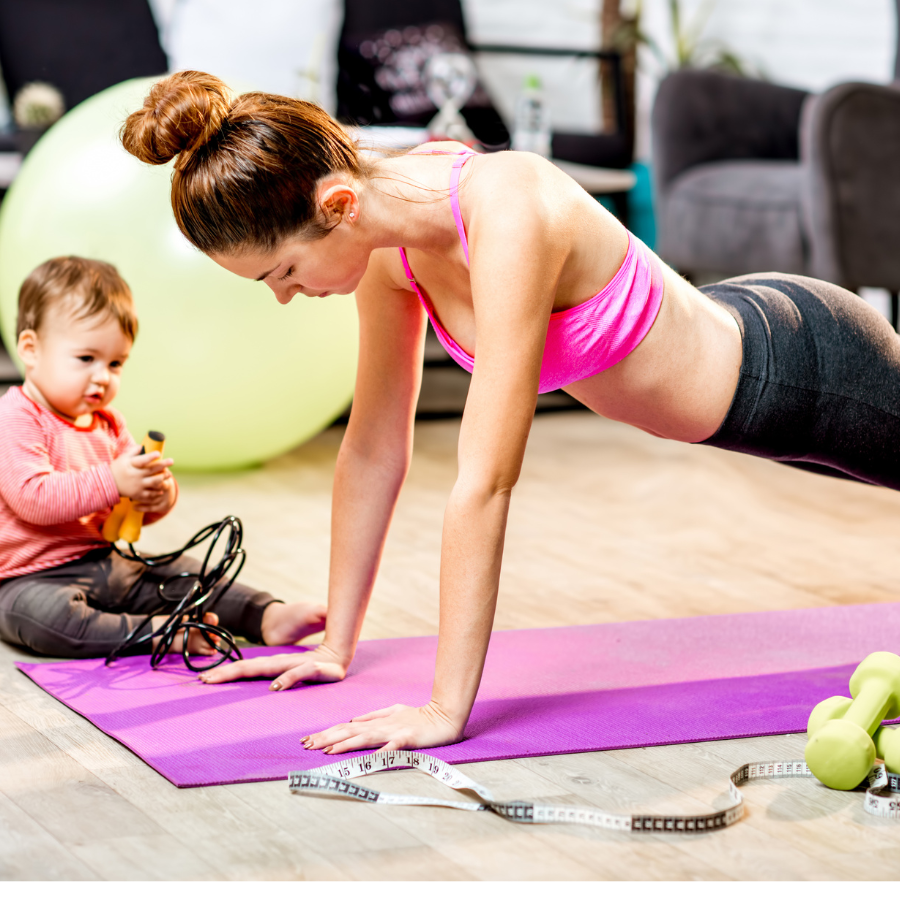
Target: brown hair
[(89, 287), (247, 168)]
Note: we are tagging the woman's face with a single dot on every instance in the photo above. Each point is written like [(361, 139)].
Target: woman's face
[(333, 264)]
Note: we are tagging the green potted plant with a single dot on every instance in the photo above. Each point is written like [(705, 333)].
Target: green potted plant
[(36, 107)]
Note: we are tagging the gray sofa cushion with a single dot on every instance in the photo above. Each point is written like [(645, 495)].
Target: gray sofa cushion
[(735, 217), (702, 116)]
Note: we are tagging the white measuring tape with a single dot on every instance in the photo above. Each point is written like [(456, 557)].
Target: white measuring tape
[(882, 794)]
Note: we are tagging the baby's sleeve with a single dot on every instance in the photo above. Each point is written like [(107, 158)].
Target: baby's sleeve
[(34, 490)]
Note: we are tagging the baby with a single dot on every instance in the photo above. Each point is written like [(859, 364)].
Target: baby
[(66, 458)]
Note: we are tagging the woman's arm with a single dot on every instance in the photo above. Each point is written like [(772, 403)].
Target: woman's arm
[(371, 466), (374, 457), (516, 262)]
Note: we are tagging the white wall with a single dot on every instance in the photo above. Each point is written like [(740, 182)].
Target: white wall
[(281, 46)]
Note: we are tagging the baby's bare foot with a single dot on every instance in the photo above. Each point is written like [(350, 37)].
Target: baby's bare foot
[(197, 644), (287, 623)]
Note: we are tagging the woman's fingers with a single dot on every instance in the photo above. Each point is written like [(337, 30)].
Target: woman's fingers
[(371, 730), (364, 741), (288, 668), (398, 728), (258, 667), (328, 737), (378, 714), (313, 670)]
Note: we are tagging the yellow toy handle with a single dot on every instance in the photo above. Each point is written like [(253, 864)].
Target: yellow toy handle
[(124, 523), (114, 521)]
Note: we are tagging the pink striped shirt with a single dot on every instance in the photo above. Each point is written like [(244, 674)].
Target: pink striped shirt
[(56, 484)]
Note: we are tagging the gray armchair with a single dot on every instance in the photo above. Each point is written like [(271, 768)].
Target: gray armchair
[(752, 176)]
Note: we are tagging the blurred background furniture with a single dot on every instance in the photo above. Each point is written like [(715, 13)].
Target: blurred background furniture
[(10, 161), (752, 177), (381, 54), (80, 48)]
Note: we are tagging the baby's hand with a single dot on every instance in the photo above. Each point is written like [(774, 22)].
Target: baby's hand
[(161, 501), (141, 476)]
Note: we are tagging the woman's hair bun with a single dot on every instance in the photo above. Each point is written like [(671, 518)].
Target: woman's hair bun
[(181, 113)]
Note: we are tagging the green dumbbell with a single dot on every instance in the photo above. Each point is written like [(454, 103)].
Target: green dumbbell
[(885, 738), (887, 747), (840, 751)]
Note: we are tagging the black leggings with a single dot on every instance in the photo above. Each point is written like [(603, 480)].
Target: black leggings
[(820, 378)]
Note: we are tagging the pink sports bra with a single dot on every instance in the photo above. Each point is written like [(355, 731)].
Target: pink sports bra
[(587, 338)]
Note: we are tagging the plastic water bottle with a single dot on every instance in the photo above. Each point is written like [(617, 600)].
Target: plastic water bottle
[(532, 127)]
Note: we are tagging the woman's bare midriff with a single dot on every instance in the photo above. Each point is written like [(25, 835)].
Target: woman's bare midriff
[(680, 380)]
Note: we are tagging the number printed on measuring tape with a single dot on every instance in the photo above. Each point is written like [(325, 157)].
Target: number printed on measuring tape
[(882, 794)]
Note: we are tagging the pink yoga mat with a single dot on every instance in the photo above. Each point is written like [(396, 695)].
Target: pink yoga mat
[(544, 691)]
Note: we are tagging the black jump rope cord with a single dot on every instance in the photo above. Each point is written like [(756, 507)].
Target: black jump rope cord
[(186, 597)]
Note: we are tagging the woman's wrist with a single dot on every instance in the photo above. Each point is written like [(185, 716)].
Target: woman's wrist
[(455, 711), (341, 652)]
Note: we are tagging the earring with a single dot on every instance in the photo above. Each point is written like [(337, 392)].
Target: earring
[(352, 215)]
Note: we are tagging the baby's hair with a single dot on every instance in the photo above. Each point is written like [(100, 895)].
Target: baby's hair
[(85, 287), (247, 167)]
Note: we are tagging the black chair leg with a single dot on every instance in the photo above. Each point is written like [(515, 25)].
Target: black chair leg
[(895, 308)]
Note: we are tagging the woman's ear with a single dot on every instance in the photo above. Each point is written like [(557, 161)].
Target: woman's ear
[(338, 201), (27, 346)]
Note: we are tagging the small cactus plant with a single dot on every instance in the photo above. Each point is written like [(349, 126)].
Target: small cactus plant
[(37, 106)]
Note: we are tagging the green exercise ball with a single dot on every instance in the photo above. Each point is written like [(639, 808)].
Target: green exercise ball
[(231, 377)]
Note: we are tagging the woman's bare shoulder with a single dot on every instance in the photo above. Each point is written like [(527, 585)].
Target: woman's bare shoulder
[(438, 147), (511, 169), (518, 192), (385, 272), (526, 174)]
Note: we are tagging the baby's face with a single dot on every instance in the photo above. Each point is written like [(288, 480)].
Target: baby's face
[(75, 364)]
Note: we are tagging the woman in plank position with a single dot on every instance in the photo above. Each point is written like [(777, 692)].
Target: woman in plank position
[(533, 286)]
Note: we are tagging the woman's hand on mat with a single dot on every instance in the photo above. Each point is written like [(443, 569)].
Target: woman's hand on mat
[(395, 728), (319, 666)]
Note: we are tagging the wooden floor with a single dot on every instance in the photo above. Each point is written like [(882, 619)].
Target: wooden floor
[(607, 524)]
